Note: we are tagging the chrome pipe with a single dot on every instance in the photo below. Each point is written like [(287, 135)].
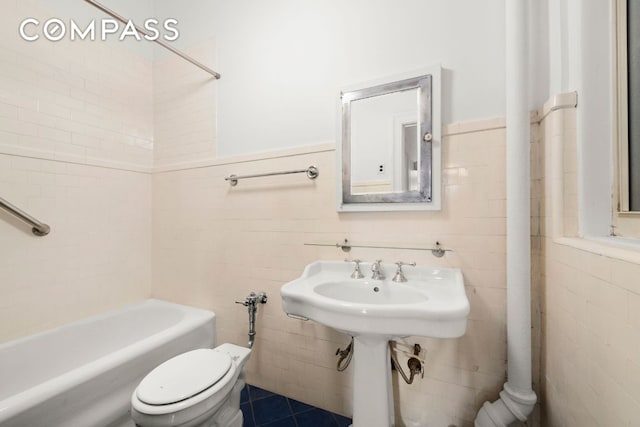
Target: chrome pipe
[(251, 302), (312, 173), (252, 325), (161, 42), (38, 228)]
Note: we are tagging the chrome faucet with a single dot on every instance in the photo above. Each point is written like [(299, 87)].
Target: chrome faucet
[(376, 268), (357, 274), (399, 276)]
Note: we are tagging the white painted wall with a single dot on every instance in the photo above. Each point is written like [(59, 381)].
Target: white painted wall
[(580, 59), (594, 118), (539, 53), (284, 61)]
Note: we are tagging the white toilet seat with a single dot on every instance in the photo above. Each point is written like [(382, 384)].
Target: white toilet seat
[(192, 388), (221, 387), (183, 377)]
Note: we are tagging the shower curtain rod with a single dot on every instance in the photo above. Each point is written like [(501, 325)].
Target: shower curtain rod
[(157, 40)]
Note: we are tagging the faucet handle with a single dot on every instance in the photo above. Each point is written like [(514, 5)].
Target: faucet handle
[(400, 264), (376, 268), (357, 274), (399, 276)]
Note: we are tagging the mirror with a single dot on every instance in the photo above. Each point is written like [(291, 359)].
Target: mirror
[(387, 147)]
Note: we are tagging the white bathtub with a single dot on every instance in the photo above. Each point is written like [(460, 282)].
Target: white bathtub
[(82, 374)]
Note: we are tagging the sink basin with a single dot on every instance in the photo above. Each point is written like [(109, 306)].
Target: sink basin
[(431, 303), (367, 292)]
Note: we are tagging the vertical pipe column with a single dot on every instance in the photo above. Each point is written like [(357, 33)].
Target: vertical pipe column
[(517, 398), (518, 197)]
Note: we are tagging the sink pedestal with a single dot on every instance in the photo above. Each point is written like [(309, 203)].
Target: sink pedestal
[(372, 388)]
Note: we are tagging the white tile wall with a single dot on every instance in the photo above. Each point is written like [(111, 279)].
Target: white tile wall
[(590, 294), (87, 102), (213, 244), (65, 108), (184, 108), (97, 255)]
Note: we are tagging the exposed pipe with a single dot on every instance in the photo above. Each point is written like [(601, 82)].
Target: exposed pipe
[(345, 356), (251, 302), (414, 364), (517, 399)]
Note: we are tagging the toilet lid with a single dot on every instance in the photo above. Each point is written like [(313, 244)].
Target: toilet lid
[(183, 376)]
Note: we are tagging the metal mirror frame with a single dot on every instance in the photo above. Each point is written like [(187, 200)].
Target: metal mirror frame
[(423, 84)]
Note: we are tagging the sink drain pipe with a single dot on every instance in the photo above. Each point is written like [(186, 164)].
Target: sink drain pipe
[(517, 399)]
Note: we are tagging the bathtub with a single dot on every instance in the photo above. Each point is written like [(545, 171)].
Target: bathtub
[(83, 374)]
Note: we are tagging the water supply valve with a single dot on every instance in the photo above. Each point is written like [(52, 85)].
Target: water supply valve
[(415, 367), (415, 362), (253, 299)]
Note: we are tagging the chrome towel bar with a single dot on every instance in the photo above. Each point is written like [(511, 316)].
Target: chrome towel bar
[(312, 173), (39, 228)]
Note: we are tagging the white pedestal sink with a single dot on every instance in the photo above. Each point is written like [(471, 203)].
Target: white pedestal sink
[(432, 303)]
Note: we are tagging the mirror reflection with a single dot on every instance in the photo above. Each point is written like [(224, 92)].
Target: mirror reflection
[(384, 147)]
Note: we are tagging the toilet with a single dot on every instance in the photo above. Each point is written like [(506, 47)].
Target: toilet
[(200, 388)]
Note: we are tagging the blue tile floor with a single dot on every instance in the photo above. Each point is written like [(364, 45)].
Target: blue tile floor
[(261, 408)]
